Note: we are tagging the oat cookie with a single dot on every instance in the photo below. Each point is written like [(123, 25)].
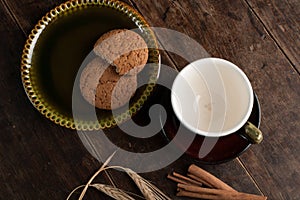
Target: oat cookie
[(102, 87), (124, 49)]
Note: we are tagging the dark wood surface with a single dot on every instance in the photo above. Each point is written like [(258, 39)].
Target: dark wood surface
[(40, 160)]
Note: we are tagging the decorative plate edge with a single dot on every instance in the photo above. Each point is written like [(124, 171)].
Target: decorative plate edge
[(46, 109)]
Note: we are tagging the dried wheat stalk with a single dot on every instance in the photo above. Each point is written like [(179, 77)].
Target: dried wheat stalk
[(149, 191), (112, 191)]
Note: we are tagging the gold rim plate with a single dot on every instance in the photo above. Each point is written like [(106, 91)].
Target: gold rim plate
[(57, 47)]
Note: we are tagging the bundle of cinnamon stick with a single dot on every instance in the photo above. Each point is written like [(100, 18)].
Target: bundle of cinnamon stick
[(200, 184)]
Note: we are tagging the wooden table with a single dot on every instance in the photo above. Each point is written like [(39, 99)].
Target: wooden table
[(41, 160)]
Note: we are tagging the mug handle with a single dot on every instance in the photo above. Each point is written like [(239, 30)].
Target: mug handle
[(252, 133)]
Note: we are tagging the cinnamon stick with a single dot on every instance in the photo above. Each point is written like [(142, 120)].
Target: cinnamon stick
[(205, 177), (184, 193), (193, 177), (187, 179), (208, 193), (178, 180)]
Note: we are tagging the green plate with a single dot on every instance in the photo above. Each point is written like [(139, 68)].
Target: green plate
[(60, 44)]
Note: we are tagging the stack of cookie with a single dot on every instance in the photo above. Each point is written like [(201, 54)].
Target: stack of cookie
[(110, 80)]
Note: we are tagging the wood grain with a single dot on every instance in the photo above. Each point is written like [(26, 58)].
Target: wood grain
[(40, 160), (22, 12), (282, 22), (233, 32)]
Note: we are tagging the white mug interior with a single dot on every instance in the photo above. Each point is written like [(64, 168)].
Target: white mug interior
[(212, 97)]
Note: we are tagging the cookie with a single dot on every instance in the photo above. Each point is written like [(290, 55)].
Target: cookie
[(102, 87), (124, 49)]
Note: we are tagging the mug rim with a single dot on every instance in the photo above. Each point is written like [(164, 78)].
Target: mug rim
[(213, 133)]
